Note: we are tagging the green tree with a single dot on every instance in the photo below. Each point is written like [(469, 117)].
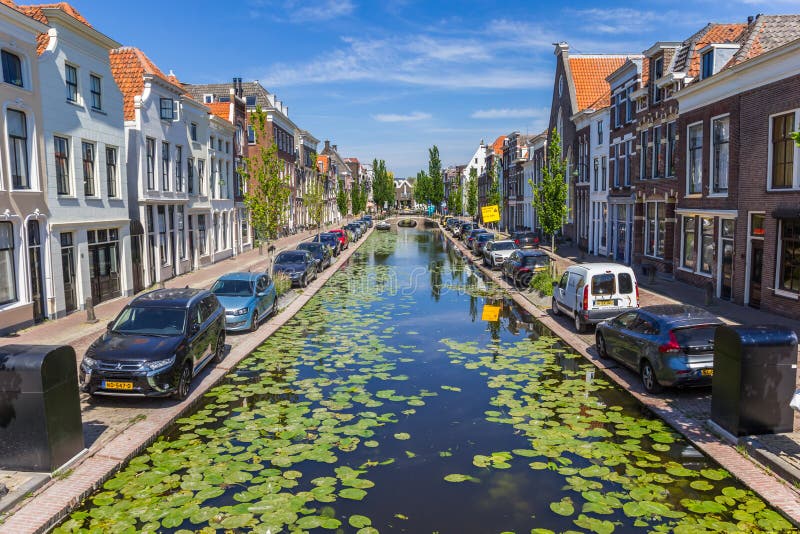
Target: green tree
[(796, 137), (314, 197), (472, 192), (355, 197), (550, 195), (455, 203), (382, 184), (422, 188), (493, 195), (267, 198), (435, 181), (341, 199)]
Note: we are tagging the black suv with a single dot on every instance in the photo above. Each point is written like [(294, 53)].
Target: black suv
[(156, 345), (527, 238)]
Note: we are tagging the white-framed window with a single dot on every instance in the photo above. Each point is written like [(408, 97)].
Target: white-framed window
[(151, 163), (96, 89), (207, 99), (658, 72), (599, 134), (707, 65), (61, 156), (784, 154), (111, 171), (179, 168), (658, 162), (643, 155), (628, 105), (17, 127), (720, 141), (689, 242), (12, 68), (71, 78), (604, 172), (622, 162), (694, 159), (706, 253), (788, 268), (655, 229), (167, 108), (164, 166), (193, 131), (8, 280), (672, 137), (89, 181)]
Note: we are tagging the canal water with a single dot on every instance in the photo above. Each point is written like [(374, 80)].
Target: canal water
[(410, 396)]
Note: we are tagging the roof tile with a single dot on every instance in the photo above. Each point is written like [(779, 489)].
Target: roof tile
[(129, 65), (589, 74)]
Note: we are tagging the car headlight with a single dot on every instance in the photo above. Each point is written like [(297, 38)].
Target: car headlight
[(159, 364), (89, 363), (241, 311)]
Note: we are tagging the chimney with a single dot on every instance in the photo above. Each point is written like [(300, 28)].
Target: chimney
[(335, 148), (327, 145), (750, 19)]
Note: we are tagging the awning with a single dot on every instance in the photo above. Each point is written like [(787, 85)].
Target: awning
[(787, 212)]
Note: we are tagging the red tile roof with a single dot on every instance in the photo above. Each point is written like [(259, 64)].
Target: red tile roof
[(36, 12), (767, 33), (323, 163), (220, 109), (589, 75), (497, 146), (129, 65), (717, 33)]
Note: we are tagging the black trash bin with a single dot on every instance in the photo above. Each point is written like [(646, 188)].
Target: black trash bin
[(40, 412), (754, 379)]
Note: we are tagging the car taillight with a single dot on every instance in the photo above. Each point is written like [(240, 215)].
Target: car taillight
[(672, 345), (637, 294), (586, 297), (525, 270), (516, 241), (535, 239)]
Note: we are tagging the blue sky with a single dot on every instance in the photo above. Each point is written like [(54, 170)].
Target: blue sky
[(390, 78)]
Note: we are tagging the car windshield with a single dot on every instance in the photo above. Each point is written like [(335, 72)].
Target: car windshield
[(485, 237), (504, 246), (535, 261), (291, 257), (311, 247), (233, 288), (603, 284), (149, 321)]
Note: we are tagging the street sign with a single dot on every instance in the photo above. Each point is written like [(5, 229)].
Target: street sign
[(490, 313), (490, 213)]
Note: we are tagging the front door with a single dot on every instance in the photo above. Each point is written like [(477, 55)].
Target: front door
[(756, 263), (35, 262), (104, 264), (137, 257), (68, 271)]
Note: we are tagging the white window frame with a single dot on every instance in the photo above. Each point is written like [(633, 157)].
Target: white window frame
[(748, 252), (712, 163), (796, 166), (690, 194), (776, 282), (647, 229)]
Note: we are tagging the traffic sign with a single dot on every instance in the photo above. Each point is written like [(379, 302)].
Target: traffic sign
[(490, 213)]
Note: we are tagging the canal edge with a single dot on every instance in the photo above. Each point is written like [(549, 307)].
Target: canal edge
[(59, 497), (750, 472)]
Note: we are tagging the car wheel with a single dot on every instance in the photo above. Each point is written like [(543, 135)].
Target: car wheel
[(554, 307), (580, 326), (600, 343), (184, 382), (219, 348), (303, 281), (649, 380), (254, 322), (525, 280)]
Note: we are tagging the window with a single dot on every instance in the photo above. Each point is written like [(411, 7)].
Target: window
[(782, 151), (671, 138), (151, 163), (599, 133), (167, 109), (658, 72), (706, 244), (12, 73), (181, 233), (644, 152), (251, 135), (18, 148), (655, 229), (227, 147), (61, 152), (757, 225), (211, 178), (201, 233), (707, 67), (620, 109), (629, 168), (219, 145), (97, 94), (622, 162), (207, 99), (250, 101), (603, 170), (689, 259), (8, 282), (190, 175), (111, 171), (628, 105), (789, 258), (695, 159), (193, 131), (178, 168), (89, 189), (658, 160), (164, 166), (612, 162), (201, 176), (71, 75), (596, 174), (162, 235), (719, 147)]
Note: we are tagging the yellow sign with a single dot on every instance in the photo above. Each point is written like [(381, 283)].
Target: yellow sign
[(490, 313), (490, 214)]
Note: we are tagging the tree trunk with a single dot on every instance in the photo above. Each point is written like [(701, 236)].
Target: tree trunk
[(553, 243)]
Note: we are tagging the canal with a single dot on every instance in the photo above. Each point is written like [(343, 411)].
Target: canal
[(410, 396)]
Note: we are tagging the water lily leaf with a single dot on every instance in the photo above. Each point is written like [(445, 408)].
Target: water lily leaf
[(563, 507), (701, 485), (460, 478), (703, 507), (354, 494), (715, 474), (367, 530), (600, 526), (402, 436)]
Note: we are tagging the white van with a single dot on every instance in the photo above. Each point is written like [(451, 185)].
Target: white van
[(593, 292)]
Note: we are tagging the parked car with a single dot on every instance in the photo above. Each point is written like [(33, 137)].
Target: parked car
[(248, 298), (464, 228), (668, 345), (322, 253), (471, 236), (480, 241), (527, 239), (592, 292), (496, 252), (330, 239), (299, 265), (367, 219), (156, 345), (343, 237), (522, 265), (357, 229)]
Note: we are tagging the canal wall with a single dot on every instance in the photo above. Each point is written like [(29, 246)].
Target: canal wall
[(67, 491), (754, 475)]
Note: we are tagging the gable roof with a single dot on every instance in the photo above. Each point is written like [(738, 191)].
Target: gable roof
[(129, 66), (497, 146), (36, 12), (220, 109), (589, 74), (687, 59), (767, 32)]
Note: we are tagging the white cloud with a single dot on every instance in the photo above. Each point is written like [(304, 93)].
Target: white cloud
[(301, 11), (397, 117), (511, 113)]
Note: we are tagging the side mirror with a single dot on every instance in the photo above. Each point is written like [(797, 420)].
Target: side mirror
[(195, 328), (555, 285), (109, 325)]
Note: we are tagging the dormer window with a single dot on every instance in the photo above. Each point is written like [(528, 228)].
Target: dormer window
[(707, 69), (12, 69), (207, 99), (250, 100), (658, 72)]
